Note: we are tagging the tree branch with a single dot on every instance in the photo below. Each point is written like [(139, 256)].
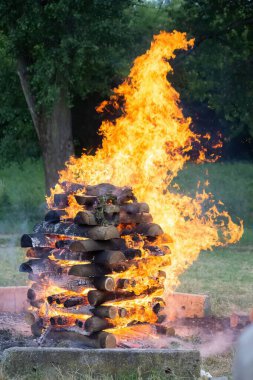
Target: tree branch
[(22, 73)]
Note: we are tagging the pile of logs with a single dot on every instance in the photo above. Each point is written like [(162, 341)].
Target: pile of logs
[(84, 271)]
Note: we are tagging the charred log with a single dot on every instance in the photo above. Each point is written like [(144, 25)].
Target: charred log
[(88, 270), (105, 312), (134, 208), (95, 324), (71, 229), (55, 216), (98, 297), (92, 246), (36, 240)]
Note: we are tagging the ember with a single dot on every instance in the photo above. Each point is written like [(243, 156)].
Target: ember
[(109, 276)]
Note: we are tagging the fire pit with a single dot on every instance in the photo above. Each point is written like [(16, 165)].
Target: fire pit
[(99, 273)]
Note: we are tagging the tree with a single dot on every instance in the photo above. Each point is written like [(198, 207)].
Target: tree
[(65, 48), (218, 71)]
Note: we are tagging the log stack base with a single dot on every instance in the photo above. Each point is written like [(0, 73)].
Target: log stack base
[(92, 259)]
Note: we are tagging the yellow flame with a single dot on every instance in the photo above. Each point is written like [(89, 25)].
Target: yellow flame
[(146, 147)]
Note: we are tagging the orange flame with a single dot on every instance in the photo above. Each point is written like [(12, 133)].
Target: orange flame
[(146, 147)]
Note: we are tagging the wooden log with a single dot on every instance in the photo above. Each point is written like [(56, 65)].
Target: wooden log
[(105, 312), (36, 240), (98, 297), (66, 254), (134, 208), (124, 283), (74, 284), (40, 266), (38, 253), (71, 229), (137, 218), (148, 229), (132, 253), (89, 245), (74, 301), (37, 328), (89, 218), (122, 312), (71, 187), (95, 324), (31, 317), (86, 200), (122, 194), (62, 320), (108, 258), (37, 303), (60, 244), (101, 339), (86, 218), (32, 294), (61, 200), (54, 297), (55, 216), (88, 270)]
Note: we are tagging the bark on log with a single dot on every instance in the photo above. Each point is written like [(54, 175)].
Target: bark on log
[(74, 284), (74, 301), (147, 229), (71, 187), (95, 324), (101, 339), (109, 258), (97, 297), (89, 218), (132, 253), (123, 194), (87, 200), (92, 246), (105, 312), (40, 266), (134, 208), (88, 270), (137, 218), (55, 216), (36, 240), (71, 229), (63, 243), (66, 254), (37, 303)]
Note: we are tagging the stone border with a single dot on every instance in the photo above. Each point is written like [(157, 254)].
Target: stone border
[(13, 299)]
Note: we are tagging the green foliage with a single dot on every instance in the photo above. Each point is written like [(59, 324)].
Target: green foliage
[(219, 69), (17, 136)]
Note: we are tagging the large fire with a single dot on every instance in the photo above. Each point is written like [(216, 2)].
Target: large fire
[(145, 148)]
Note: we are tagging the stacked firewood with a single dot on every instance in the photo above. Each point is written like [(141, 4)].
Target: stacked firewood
[(99, 272)]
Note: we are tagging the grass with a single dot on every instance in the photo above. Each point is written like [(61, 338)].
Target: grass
[(225, 274)]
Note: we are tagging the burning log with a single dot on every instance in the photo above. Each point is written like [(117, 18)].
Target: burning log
[(132, 253), (61, 200), (92, 246), (95, 324), (75, 301), (67, 228), (56, 297), (61, 244), (86, 200), (35, 240), (148, 229), (66, 254), (54, 216), (97, 297), (105, 312), (37, 303), (88, 270), (142, 217), (109, 258), (40, 266), (62, 320), (90, 218), (124, 283), (134, 208), (122, 194), (71, 187), (38, 253)]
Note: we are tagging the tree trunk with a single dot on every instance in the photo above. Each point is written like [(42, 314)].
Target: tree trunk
[(56, 139), (54, 130)]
